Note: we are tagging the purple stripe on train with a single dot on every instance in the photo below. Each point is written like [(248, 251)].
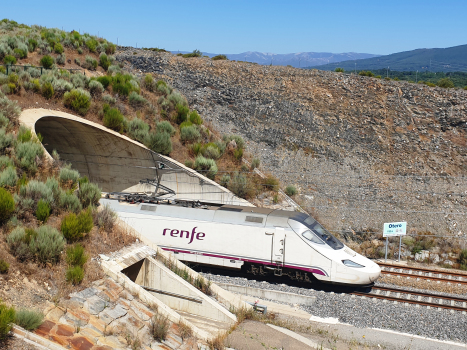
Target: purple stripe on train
[(315, 270)]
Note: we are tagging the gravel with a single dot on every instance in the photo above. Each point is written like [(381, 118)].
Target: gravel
[(372, 313)]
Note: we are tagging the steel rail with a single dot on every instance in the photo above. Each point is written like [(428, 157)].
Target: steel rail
[(421, 294), (422, 269)]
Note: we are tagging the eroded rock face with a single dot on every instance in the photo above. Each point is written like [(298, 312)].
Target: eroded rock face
[(363, 151)]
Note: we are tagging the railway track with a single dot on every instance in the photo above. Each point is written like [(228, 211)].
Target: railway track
[(423, 273), (431, 300)]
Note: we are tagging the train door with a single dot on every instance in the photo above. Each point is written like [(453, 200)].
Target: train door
[(278, 247)]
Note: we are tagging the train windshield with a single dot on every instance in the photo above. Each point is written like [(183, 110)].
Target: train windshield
[(319, 231)]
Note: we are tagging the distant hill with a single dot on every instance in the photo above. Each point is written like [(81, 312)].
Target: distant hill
[(451, 59), (299, 59)]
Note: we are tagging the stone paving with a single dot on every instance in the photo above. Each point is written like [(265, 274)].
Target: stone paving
[(104, 317)]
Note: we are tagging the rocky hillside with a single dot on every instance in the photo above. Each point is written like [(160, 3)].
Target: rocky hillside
[(363, 151)]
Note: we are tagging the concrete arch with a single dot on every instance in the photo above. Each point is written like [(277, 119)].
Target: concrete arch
[(116, 162)]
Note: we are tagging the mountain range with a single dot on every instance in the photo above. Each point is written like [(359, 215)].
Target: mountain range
[(299, 59)]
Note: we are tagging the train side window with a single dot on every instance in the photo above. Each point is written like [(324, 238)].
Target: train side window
[(312, 237)]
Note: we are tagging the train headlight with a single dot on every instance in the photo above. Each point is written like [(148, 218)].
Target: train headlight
[(350, 263)]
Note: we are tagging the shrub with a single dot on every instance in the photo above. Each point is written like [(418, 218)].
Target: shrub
[(3, 121), (105, 81), (255, 163), (7, 205), (165, 126), (36, 191), (5, 162), (68, 175), (339, 70), (211, 152), (104, 61), (9, 109), (207, 166), (75, 227), (6, 140), (182, 113), (26, 153), (29, 319), (24, 134), (176, 98), (47, 61), (42, 211), (8, 177), (238, 140), (445, 83), (238, 153), (138, 130), (197, 148), (7, 317), (18, 242), (195, 53), (189, 134), (69, 202), (89, 63), (225, 179), (89, 194), (78, 100), (113, 119), (61, 59), (95, 88), (74, 275), (291, 190), (463, 259), (76, 255), (105, 218), (47, 90), (149, 83), (8, 59), (185, 124), (195, 118), (239, 185), (160, 142), (4, 266), (271, 183), (189, 163), (47, 245), (58, 48), (91, 44), (137, 101), (109, 99), (159, 327), (219, 57)]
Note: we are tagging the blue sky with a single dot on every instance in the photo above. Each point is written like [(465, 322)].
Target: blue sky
[(379, 27)]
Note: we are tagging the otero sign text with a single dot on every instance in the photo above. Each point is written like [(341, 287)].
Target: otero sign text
[(394, 229)]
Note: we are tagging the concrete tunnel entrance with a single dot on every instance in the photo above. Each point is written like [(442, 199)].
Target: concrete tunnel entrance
[(117, 163)]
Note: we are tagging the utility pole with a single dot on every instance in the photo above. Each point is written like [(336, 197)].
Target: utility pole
[(355, 67), (387, 73), (416, 77)]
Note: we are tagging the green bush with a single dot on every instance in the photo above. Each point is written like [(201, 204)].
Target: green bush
[(104, 61), (138, 130), (5, 162), (105, 217), (113, 119), (446, 83), (58, 48), (42, 211), (9, 109), (91, 44), (75, 227), (8, 177), (165, 126), (195, 53), (4, 266), (195, 118), (89, 194), (90, 63), (47, 62), (212, 152), (238, 153), (463, 259), (339, 70), (291, 190), (225, 179), (26, 153), (8, 59), (47, 245), (7, 318), (69, 202), (76, 255), (24, 134), (6, 140), (109, 99), (160, 142), (18, 242), (219, 57), (189, 163), (37, 190), (136, 100), (7, 205), (124, 84), (271, 183), (255, 163), (3, 121), (189, 134), (47, 90), (238, 140), (95, 88), (207, 167), (239, 185), (105, 81), (68, 175), (78, 100), (185, 124), (29, 319), (182, 113), (32, 45), (74, 275)]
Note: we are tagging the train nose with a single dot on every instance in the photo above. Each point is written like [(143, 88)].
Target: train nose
[(374, 274)]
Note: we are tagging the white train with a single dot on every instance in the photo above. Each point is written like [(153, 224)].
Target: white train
[(256, 240)]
